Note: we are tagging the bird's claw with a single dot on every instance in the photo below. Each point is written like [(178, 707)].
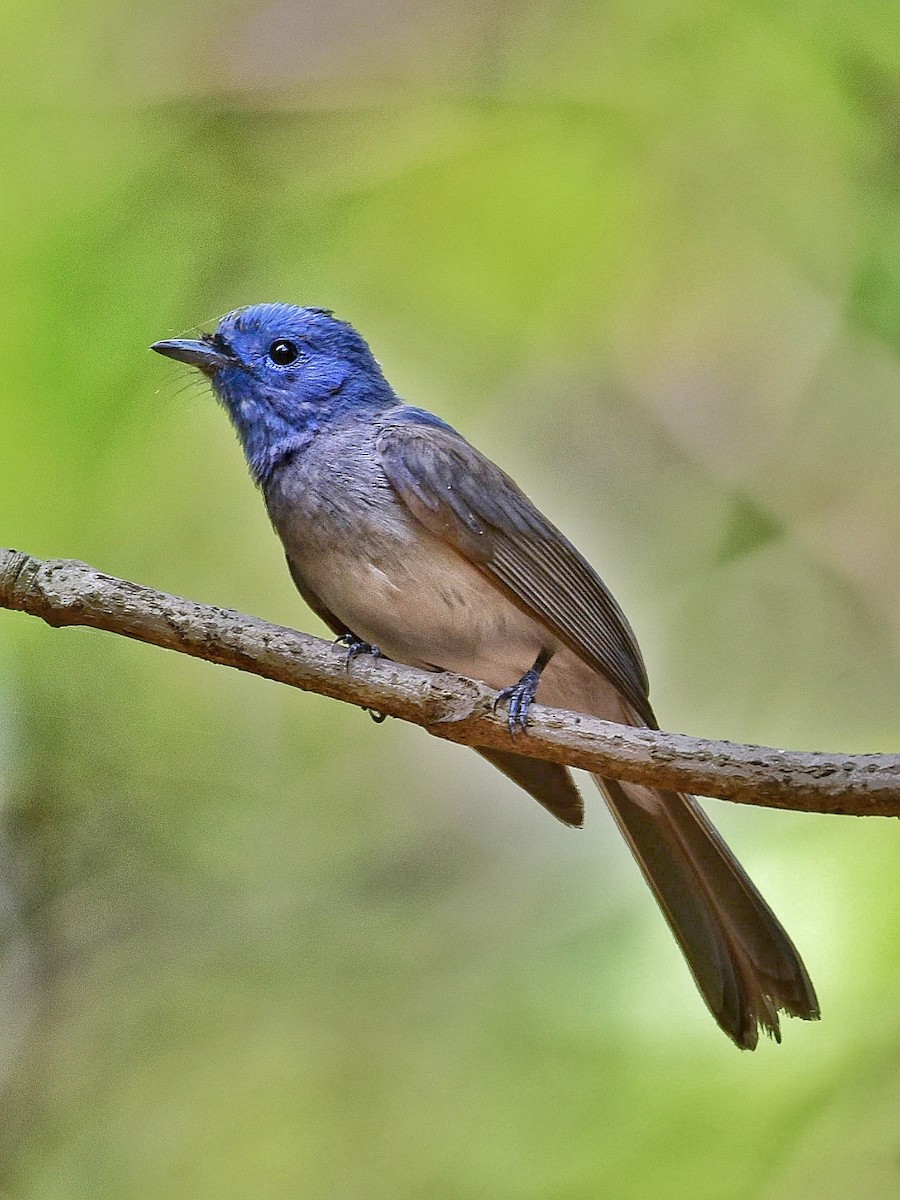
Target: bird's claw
[(355, 647), (520, 696)]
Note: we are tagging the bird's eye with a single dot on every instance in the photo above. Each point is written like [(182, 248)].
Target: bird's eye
[(283, 352)]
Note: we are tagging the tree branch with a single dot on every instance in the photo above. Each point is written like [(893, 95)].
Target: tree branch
[(63, 592)]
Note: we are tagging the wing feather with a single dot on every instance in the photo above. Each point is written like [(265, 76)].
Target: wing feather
[(464, 498)]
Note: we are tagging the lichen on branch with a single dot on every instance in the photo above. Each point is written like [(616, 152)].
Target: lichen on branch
[(64, 592)]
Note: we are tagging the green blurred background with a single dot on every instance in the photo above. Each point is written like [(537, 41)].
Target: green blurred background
[(646, 255)]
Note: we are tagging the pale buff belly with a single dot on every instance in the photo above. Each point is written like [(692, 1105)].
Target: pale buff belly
[(430, 607)]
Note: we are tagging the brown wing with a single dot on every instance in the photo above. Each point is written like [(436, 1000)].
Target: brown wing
[(549, 783), (464, 498)]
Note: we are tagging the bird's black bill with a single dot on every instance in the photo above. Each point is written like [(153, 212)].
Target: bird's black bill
[(202, 355)]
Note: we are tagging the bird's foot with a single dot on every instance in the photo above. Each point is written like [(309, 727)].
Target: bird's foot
[(520, 696), (355, 647)]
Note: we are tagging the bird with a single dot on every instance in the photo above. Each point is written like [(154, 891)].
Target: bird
[(408, 542)]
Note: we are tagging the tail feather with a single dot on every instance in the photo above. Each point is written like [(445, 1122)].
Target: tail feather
[(743, 962)]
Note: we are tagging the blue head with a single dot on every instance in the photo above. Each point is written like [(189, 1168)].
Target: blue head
[(283, 373)]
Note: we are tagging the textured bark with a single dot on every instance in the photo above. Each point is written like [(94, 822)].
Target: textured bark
[(63, 592)]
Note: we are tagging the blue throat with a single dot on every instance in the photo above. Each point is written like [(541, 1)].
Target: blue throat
[(268, 438), (274, 427)]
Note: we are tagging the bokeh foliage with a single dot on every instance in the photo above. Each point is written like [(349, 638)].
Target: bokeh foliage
[(646, 255)]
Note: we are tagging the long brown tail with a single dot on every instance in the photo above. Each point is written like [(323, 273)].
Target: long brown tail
[(744, 963)]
